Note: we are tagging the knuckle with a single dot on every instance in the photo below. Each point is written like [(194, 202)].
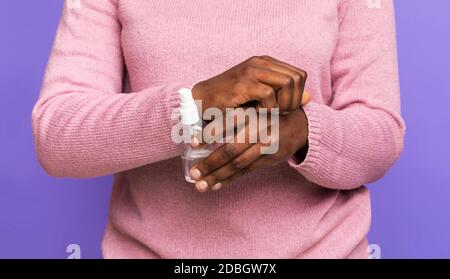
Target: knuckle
[(229, 151), (203, 167), (290, 82), (266, 57), (211, 179), (255, 59), (244, 171), (298, 78), (270, 93), (251, 61), (261, 61), (304, 74), (248, 71), (263, 75), (237, 164)]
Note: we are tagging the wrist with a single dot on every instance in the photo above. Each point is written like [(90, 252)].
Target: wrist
[(302, 147)]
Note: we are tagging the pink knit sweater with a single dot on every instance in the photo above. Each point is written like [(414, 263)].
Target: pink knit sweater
[(111, 86)]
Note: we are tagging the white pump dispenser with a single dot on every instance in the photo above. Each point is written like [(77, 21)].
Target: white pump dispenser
[(192, 129), (188, 108)]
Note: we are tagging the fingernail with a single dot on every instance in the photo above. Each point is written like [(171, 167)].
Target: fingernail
[(202, 186), (195, 142), (217, 186), (195, 174)]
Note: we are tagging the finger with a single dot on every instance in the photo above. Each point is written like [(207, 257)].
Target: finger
[(223, 154), (294, 74), (238, 164), (243, 164), (306, 98), (244, 139), (218, 158), (261, 162), (299, 76), (287, 65), (211, 133), (224, 127), (246, 91), (269, 102), (282, 83)]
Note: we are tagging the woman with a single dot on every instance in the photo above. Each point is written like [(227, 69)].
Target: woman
[(111, 87)]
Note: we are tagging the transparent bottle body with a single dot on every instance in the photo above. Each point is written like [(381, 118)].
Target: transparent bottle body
[(191, 156)]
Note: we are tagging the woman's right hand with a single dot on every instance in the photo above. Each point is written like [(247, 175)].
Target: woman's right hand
[(266, 80)]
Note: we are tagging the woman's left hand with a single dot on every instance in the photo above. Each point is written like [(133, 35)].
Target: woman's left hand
[(232, 160)]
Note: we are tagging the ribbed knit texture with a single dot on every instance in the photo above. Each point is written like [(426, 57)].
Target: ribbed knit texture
[(111, 87)]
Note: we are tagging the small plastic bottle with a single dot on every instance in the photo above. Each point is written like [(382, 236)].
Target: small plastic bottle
[(193, 126)]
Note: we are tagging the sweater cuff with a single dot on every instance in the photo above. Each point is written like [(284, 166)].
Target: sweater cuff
[(173, 104), (163, 115), (325, 135)]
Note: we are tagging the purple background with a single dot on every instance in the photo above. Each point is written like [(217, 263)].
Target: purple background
[(40, 215)]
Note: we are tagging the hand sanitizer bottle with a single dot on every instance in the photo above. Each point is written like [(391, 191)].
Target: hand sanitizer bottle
[(192, 131)]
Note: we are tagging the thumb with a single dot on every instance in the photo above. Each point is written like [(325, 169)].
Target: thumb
[(306, 97)]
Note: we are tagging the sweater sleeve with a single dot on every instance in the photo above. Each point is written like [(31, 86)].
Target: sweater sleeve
[(84, 125), (356, 138)]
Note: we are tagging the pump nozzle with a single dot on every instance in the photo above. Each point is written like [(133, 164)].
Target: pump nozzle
[(188, 108)]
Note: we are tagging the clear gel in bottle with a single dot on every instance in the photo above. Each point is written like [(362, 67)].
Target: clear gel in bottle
[(192, 129)]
